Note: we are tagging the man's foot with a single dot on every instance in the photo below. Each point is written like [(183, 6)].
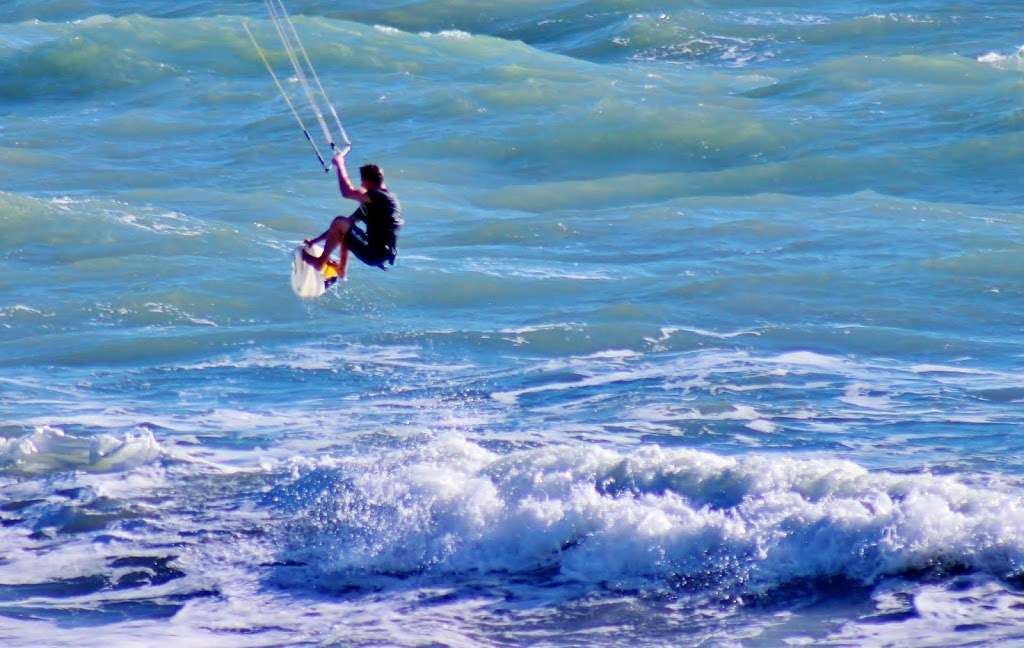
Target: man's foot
[(312, 260)]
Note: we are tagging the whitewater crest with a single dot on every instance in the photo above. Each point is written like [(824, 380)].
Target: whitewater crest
[(679, 517), (1014, 61), (49, 449)]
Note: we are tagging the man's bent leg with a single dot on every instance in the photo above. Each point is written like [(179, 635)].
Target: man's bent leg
[(335, 237)]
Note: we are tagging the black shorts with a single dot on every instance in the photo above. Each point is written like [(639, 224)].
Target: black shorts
[(370, 254)]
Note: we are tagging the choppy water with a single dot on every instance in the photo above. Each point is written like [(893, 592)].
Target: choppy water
[(705, 331)]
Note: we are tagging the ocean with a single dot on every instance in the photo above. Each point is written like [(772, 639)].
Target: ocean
[(705, 328)]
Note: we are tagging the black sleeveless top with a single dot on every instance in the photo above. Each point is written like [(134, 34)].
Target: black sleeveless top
[(383, 217)]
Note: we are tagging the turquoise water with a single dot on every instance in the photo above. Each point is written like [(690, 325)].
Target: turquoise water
[(705, 328)]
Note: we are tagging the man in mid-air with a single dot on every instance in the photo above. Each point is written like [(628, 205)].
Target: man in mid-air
[(379, 210)]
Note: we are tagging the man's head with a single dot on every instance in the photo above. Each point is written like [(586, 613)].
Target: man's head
[(372, 176)]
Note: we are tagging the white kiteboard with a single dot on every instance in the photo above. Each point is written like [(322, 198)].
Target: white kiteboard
[(307, 281)]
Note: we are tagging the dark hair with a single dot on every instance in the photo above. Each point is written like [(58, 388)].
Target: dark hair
[(372, 173)]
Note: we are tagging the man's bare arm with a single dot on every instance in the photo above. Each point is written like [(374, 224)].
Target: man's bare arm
[(347, 189)]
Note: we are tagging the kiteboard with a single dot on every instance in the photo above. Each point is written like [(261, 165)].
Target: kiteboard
[(307, 281)]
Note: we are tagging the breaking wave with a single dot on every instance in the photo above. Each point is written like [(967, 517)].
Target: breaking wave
[(647, 518)]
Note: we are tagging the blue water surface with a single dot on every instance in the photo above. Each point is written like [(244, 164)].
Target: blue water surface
[(705, 328)]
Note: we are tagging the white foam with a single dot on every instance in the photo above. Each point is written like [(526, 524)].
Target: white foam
[(904, 18), (161, 223), (857, 394), (810, 359), (1004, 61), (992, 57), (49, 449), (762, 425), (667, 332), (455, 34), (16, 311), (451, 34), (988, 609), (563, 326), (752, 522)]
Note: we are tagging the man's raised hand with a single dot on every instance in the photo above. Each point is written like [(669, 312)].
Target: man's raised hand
[(340, 155)]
